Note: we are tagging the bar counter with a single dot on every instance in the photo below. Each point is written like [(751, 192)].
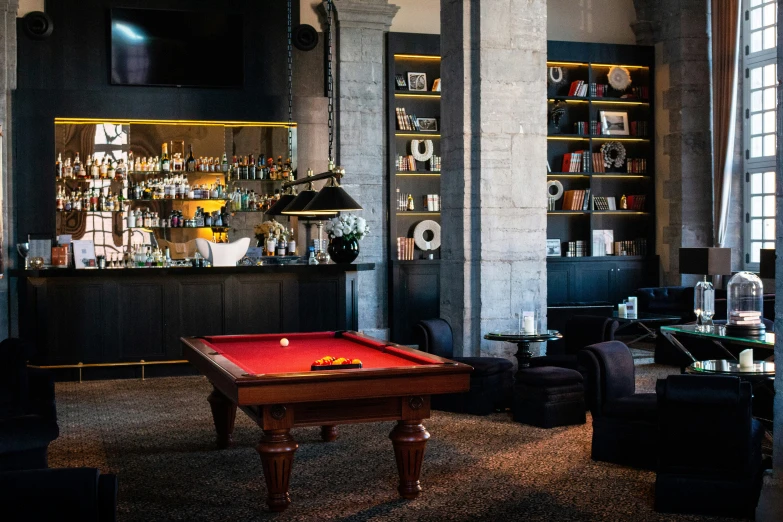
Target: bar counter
[(112, 316)]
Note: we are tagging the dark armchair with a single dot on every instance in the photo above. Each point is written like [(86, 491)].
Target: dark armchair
[(624, 422), (58, 494), (28, 416), (580, 331), (721, 473), (491, 382)]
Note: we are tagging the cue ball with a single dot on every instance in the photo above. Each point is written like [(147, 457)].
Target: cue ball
[(283, 342)]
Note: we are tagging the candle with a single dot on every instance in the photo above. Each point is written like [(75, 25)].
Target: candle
[(621, 310), (632, 300), (746, 358), (528, 326)]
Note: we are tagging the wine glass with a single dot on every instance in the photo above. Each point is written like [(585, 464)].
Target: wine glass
[(23, 249)]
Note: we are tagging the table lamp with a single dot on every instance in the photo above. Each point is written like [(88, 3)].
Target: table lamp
[(705, 262)]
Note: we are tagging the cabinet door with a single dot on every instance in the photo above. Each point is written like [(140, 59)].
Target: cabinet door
[(559, 277), (416, 297), (594, 282), (627, 278)]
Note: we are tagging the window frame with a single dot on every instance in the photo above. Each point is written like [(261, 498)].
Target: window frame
[(752, 165)]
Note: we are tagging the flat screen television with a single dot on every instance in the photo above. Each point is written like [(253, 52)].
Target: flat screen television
[(176, 48)]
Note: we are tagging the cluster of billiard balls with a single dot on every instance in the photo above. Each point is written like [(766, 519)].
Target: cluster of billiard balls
[(331, 361)]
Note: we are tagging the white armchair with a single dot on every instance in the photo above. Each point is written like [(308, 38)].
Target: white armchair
[(223, 254)]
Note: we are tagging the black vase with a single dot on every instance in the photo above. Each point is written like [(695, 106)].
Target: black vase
[(343, 250)]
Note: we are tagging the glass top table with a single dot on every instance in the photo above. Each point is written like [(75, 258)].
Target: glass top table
[(719, 332), (523, 341), (725, 367), (647, 322)]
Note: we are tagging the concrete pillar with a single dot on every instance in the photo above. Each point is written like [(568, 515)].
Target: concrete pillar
[(680, 28), (770, 506), (8, 11), (493, 253), (360, 139)]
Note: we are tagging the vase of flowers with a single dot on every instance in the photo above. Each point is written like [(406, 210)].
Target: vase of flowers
[(268, 231), (345, 232)]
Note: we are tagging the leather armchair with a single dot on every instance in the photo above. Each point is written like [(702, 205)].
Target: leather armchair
[(721, 475), (581, 331), (491, 382), (28, 415), (624, 422), (58, 494)]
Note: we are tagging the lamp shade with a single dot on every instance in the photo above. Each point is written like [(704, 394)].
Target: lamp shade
[(280, 204), (332, 199), (705, 261), (767, 263), (298, 204)]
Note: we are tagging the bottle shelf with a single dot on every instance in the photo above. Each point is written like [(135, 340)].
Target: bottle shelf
[(175, 200), (604, 212), (248, 211), (220, 227), (91, 211), (233, 180), (604, 99), (611, 175), (175, 172), (417, 94), (600, 137), (413, 173)]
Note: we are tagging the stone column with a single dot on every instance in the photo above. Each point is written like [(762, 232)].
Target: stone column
[(684, 169), (8, 11), (360, 140), (770, 506), (494, 168)]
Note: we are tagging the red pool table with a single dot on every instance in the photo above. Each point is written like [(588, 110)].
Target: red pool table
[(275, 386)]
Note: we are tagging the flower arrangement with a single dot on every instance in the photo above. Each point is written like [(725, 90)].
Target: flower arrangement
[(269, 229), (348, 226)]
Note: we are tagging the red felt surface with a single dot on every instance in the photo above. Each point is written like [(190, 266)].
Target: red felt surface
[(263, 354)]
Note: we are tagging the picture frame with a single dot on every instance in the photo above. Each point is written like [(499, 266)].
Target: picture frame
[(83, 253), (400, 81), (614, 123), (427, 124), (436, 85), (417, 81), (553, 248)]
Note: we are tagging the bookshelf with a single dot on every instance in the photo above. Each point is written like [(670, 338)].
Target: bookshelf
[(592, 193), (414, 284)]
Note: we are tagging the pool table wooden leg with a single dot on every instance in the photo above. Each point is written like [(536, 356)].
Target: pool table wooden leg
[(409, 439), (277, 449), (224, 413), (329, 433)]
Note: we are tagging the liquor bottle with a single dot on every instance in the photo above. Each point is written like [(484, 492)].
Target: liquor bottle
[(77, 167), (131, 160), (191, 165), (311, 260), (67, 168), (282, 246), (95, 172), (110, 170), (58, 166), (104, 169), (120, 170), (88, 167), (410, 202), (261, 168), (101, 203), (290, 168), (165, 165), (251, 167), (59, 199), (177, 163), (224, 164)]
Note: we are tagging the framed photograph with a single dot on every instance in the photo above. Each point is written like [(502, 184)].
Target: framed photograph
[(417, 81), (83, 253), (427, 124), (553, 248), (436, 85), (400, 80), (614, 123)]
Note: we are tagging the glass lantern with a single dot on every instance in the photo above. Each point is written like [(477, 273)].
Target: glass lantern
[(745, 305), (704, 304)]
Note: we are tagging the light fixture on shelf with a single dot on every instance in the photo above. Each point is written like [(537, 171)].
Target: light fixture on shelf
[(705, 261)]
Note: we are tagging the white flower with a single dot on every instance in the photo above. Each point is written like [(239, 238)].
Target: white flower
[(338, 232)]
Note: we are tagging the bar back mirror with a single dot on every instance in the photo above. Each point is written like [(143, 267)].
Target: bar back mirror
[(113, 185)]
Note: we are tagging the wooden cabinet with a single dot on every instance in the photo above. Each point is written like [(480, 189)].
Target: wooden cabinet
[(415, 296), (587, 280)]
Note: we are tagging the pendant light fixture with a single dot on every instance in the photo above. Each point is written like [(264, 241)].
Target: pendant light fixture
[(332, 198)]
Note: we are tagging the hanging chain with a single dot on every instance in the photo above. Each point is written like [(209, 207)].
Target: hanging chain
[(330, 78), (290, 90)]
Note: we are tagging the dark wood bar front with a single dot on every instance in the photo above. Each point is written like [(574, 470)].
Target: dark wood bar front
[(129, 315)]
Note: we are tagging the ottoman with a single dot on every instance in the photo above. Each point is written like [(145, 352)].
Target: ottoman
[(548, 396)]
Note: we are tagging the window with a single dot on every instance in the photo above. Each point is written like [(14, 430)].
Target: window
[(759, 34)]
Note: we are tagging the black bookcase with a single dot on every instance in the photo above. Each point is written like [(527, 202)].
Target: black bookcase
[(414, 284), (632, 263)]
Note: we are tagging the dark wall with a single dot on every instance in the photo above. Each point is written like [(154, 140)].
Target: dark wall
[(67, 75)]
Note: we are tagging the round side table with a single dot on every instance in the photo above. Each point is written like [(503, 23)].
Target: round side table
[(523, 341)]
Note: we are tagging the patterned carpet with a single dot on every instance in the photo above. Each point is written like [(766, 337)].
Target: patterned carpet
[(157, 435)]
